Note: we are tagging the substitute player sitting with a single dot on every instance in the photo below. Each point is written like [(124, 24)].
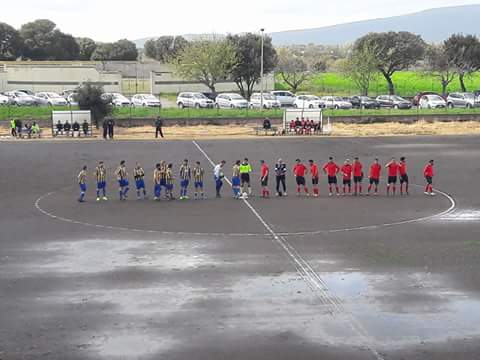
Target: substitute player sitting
[(185, 175), (82, 182), (299, 171), (392, 167), (315, 177), (198, 173), (332, 169), (374, 176), (347, 170), (101, 177), (122, 175), (139, 176), (264, 179)]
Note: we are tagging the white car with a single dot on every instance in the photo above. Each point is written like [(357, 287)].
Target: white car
[(269, 101), (3, 99), (20, 98), (308, 102), (72, 99), (286, 98), (432, 102), (336, 102), (194, 100), (231, 101), (146, 100), (52, 99), (117, 99)]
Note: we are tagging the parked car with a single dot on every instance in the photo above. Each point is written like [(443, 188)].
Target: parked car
[(416, 98), (72, 99), (336, 102), (21, 99), (146, 100), (231, 100), (117, 99), (269, 101), (67, 93), (39, 101), (364, 102), (194, 100), (52, 99), (3, 99), (432, 102), (308, 102), (393, 102), (465, 100), (286, 98), (210, 95)]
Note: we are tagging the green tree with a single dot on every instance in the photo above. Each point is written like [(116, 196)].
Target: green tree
[(439, 65), (361, 68), (247, 71), (292, 68), (102, 52), (10, 43), (393, 51), (87, 47), (122, 50), (206, 61), (90, 97), (464, 52), (165, 48)]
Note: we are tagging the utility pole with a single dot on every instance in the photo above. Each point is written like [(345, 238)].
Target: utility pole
[(262, 30)]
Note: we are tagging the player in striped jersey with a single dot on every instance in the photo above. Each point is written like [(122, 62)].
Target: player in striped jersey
[(82, 182), (169, 180), (101, 177), (236, 179), (139, 176), (163, 175), (198, 173), (122, 175), (157, 182), (185, 175)]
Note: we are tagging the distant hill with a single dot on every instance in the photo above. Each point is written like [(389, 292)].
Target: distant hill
[(433, 25)]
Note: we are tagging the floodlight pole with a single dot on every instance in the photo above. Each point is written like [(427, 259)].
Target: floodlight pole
[(261, 69)]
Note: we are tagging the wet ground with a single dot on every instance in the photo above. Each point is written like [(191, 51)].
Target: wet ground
[(328, 278)]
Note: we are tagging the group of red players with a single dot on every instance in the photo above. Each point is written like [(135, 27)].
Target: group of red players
[(351, 172), (304, 127)]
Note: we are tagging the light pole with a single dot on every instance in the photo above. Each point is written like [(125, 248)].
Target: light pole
[(262, 30)]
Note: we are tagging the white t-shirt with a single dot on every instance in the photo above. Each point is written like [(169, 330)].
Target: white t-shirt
[(218, 171)]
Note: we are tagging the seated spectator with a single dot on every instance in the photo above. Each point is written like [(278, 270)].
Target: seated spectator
[(28, 130), (307, 128), (298, 126), (292, 126), (76, 129), (67, 127), (59, 128), (85, 127), (267, 124), (35, 129)]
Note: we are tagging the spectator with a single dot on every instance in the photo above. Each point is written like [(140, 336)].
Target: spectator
[(105, 129), (28, 130), (76, 129), (59, 128), (19, 125), (267, 124), (111, 126), (67, 127), (298, 126), (85, 128), (36, 129), (292, 126), (158, 127), (13, 128)]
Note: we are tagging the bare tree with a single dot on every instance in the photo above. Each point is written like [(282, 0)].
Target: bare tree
[(292, 68), (361, 67), (440, 65)]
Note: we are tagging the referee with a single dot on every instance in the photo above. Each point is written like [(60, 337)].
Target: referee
[(245, 170)]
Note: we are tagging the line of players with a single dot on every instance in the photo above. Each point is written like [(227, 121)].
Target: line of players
[(163, 178)]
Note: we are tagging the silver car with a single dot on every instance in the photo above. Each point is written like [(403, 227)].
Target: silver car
[(19, 98), (336, 102), (465, 100), (3, 99), (286, 98), (231, 101), (193, 100), (146, 100), (52, 99)]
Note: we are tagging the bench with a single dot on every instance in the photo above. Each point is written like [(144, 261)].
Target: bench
[(260, 129)]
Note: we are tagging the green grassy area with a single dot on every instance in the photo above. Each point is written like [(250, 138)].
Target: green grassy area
[(407, 83)]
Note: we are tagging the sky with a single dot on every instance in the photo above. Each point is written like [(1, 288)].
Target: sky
[(110, 20)]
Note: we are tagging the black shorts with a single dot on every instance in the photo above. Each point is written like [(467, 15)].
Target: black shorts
[(347, 182), (300, 180), (245, 177), (374, 181), (264, 181), (357, 179), (392, 180), (403, 179), (315, 181), (332, 180), (429, 180)]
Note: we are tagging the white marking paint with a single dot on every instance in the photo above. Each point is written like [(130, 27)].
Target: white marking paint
[(460, 216)]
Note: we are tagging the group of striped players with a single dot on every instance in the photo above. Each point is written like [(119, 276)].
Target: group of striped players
[(352, 174)]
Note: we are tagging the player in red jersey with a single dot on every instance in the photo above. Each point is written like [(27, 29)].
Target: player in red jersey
[(402, 171), (429, 173), (392, 167), (265, 171), (347, 170), (374, 176), (332, 169), (299, 170), (357, 176), (315, 177)]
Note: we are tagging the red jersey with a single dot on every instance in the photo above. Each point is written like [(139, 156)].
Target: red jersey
[(392, 168), (347, 171), (331, 169), (402, 168), (314, 171), (264, 170), (428, 171), (375, 171), (299, 170), (357, 169)]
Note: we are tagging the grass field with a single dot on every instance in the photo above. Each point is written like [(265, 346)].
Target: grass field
[(407, 83)]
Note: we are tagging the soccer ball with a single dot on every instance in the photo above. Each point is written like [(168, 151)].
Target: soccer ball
[(245, 195)]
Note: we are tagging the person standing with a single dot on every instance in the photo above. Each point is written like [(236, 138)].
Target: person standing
[(198, 173), (19, 126), (280, 177), (85, 128), (245, 170), (157, 185), (139, 176), (429, 173), (347, 170), (374, 176), (82, 182), (315, 177), (402, 171), (236, 182), (105, 129), (218, 176), (169, 179), (101, 177), (265, 171), (111, 126), (332, 169), (299, 171), (122, 175), (158, 127), (392, 167), (357, 176), (13, 128), (185, 176)]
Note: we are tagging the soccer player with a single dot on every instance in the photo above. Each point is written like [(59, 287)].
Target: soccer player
[(139, 176), (392, 167), (374, 176), (402, 171), (299, 171), (198, 173), (429, 173), (347, 170), (332, 169), (163, 176), (315, 177), (245, 170), (185, 176), (357, 176), (82, 182), (264, 179), (236, 179), (157, 182), (169, 180), (218, 176), (101, 177), (122, 174), (280, 175)]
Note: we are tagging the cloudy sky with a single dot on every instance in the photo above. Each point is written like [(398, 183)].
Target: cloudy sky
[(108, 20)]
